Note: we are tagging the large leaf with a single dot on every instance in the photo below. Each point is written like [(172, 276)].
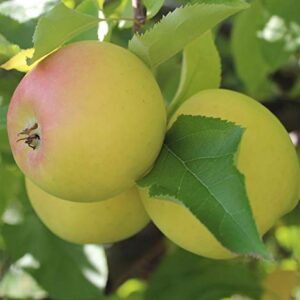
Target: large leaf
[(179, 28), (57, 27), (60, 265), (201, 69), (186, 276), (197, 167)]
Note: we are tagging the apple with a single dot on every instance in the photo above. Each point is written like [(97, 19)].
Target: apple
[(87, 121), (266, 157), (101, 222), (281, 285)]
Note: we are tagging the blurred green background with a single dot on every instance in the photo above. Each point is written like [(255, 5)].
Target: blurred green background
[(260, 53)]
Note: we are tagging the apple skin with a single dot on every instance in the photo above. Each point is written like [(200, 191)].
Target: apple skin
[(101, 121), (101, 222), (266, 157), (281, 284)]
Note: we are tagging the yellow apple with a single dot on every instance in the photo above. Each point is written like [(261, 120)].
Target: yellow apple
[(101, 222), (87, 121), (280, 285), (266, 157)]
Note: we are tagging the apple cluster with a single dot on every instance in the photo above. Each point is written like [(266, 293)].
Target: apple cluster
[(84, 125), (89, 121)]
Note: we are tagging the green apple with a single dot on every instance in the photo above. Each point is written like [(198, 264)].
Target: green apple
[(266, 157), (101, 222), (87, 121)]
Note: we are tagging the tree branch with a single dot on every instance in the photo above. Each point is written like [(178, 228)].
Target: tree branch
[(139, 15)]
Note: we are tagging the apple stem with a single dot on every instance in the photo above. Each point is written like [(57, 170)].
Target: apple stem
[(32, 139), (139, 15)]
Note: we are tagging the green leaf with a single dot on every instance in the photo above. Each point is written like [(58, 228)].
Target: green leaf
[(19, 61), (7, 49), (179, 28), (199, 155), (8, 84), (11, 184), (57, 27), (201, 69), (17, 33), (89, 7), (61, 265), (183, 275), (3, 113), (153, 7), (125, 11), (168, 77), (249, 61), (289, 10)]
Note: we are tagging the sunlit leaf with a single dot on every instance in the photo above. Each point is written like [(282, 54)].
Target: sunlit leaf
[(201, 69), (179, 28), (57, 27), (19, 61)]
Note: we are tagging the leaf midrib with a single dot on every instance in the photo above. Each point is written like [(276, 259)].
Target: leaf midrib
[(209, 191)]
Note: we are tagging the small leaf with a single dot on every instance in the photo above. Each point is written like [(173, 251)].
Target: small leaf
[(57, 27), (168, 77), (19, 61), (197, 167), (7, 49), (3, 113), (250, 64), (153, 7), (183, 275), (201, 69), (179, 28)]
